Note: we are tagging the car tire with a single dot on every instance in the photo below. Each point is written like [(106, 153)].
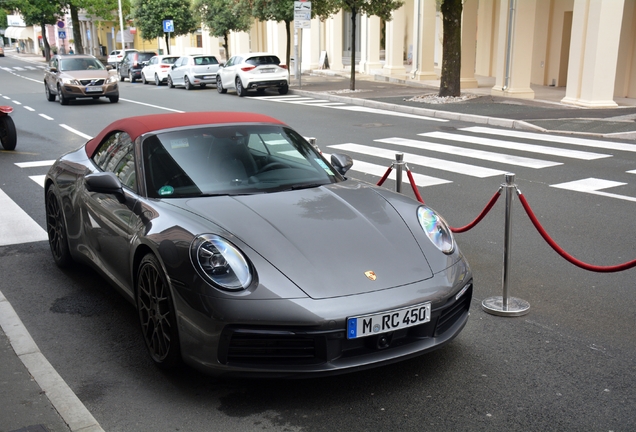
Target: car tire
[(219, 86), (157, 81), (156, 312), (119, 75), (283, 90), (49, 96), (143, 79), (113, 99), (240, 90), (60, 96), (56, 230), (170, 83), (202, 85), (8, 133), (131, 78), (186, 83)]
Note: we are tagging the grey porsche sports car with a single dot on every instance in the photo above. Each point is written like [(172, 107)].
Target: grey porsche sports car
[(246, 252)]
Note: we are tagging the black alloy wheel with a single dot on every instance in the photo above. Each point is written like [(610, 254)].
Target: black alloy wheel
[(60, 96), (156, 314), (170, 83), (56, 230), (187, 83)]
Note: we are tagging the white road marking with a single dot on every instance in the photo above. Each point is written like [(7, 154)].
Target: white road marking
[(35, 163), (593, 186), (471, 153), (513, 145), (553, 138), (413, 159), (152, 106), (421, 180), (29, 108), (76, 132), (45, 116), (16, 226), (39, 179)]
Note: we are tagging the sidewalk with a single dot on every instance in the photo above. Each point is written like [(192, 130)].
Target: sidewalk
[(545, 113)]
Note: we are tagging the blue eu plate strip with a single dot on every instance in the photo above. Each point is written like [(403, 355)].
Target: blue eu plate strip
[(353, 328)]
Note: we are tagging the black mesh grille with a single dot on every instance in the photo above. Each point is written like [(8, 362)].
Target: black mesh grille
[(92, 82), (451, 314), (271, 348)]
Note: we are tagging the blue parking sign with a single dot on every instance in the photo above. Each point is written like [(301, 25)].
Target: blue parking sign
[(168, 26)]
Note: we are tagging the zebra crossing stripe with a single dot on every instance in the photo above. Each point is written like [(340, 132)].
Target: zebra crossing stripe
[(425, 161), (512, 145), (584, 142), (593, 186), (16, 226), (421, 180), (471, 153)]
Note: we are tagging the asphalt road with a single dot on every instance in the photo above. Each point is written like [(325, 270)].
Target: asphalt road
[(567, 365)]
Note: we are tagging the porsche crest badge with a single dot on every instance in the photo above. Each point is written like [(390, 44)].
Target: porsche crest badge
[(370, 274)]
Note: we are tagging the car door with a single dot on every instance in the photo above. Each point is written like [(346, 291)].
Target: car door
[(229, 72), (177, 71), (50, 75), (149, 71), (108, 222)]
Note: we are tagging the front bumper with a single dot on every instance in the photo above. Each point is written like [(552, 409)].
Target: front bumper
[(75, 91), (307, 338)]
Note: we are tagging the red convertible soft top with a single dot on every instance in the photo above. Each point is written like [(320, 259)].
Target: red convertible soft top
[(136, 126)]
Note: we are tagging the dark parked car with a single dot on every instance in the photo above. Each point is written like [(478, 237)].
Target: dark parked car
[(245, 251), (132, 64)]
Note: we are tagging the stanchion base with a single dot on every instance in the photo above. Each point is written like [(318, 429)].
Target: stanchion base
[(516, 307)]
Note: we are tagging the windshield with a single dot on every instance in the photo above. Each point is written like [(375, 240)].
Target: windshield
[(80, 64), (232, 160)]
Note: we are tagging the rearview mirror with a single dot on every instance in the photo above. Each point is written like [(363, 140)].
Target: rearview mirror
[(341, 162)]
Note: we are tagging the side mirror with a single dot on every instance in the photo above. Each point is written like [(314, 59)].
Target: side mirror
[(106, 183), (173, 66), (53, 69), (341, 162)]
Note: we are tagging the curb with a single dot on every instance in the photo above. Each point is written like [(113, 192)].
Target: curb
[(67, 404)]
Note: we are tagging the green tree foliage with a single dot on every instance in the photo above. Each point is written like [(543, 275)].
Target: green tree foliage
[(149, 16), (450, 84), (283, 10), (40, 13), (222, 17)]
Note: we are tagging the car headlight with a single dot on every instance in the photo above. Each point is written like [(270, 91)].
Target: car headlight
[(220, 263), (112, 79), (70, 81), (436, 229)]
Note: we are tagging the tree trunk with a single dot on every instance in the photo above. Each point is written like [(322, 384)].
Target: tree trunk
[(45, 42), (288, 51), (452, 48), (226, 47), (77, 31), (352, 80)]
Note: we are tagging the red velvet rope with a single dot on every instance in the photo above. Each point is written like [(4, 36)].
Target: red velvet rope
[(386, 174), (564, 254), (483, 213), (414, 186)]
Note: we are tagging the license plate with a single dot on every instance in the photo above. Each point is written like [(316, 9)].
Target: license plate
[(383, 322), (208, 77), (91, 89), (270, 70)]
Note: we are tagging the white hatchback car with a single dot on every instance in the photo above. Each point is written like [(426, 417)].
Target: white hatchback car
[(116, 56), (253, 71), (157, 69), (193, 70)]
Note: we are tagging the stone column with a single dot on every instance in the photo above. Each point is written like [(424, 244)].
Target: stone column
[(424, 40), (521, 43), (370, 44), (334, 41), (594, 53), (394, 62), (469, 44), (311, 46)]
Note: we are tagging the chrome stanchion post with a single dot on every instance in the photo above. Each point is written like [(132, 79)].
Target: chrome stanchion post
[(398, 165), (504, 305)]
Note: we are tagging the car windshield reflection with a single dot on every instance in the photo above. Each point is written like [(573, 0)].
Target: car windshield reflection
[(231, 160), (80, 64)]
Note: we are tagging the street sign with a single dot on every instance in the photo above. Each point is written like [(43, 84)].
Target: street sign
[(168, 26), (302, 14), (61, 34)]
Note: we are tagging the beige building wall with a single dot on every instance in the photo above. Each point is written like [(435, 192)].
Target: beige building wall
[(626, 69)]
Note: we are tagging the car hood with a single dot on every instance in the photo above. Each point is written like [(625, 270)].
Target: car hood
[(87, 74), (327, 239)]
